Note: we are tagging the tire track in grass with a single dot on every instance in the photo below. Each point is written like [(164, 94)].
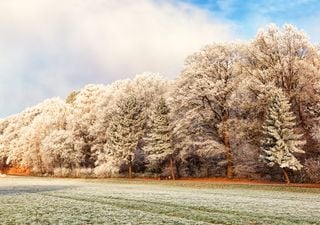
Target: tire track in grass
[(242, 214), (246, 219), (121, 216), (197, 214), (165, 210)]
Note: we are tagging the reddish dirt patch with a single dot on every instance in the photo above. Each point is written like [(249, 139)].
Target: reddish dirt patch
[(248, 181), (227, 180), (18, 171), (221, 180)]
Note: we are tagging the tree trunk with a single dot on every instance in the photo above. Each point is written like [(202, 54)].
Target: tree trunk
[(171, 169), (130, 170), (223, 117), (129, 158), (40, 163), (226, 142), (286, 177), (229, 155), (177, 167)]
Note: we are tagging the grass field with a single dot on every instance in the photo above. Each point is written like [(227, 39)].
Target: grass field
[(30, 200)]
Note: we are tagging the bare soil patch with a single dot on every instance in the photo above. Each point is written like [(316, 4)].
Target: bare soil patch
[(17, 171), (222, 180)]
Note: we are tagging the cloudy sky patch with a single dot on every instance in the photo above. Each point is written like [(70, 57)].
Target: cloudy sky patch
[(51, 47)]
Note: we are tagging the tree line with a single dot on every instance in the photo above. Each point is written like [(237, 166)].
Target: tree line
[(241, 109)]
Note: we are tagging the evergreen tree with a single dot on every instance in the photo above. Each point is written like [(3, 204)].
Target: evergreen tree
[(125, 130), (158, 141), (281, 142)]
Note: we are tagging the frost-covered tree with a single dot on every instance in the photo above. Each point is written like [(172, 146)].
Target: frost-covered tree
[(4, 151), (58, 151), (283, 58), (14, 130), (217, 108), (313, 111), (25, 131), (85, 111), (201, 101), (94, 108), (280, 140), (125, 131), (158, 144), (146, 88), (53, 116)]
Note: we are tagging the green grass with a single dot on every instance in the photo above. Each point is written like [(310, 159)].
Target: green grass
[(25, 200)]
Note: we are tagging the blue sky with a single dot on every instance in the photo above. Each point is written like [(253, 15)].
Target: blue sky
[(49, 48), (249, 15)]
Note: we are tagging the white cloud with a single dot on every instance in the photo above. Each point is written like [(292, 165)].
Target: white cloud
[(49, 47)]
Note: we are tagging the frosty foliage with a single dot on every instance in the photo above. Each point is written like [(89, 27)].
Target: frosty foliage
[(59, 150), (281, 141), (284, 57), (210, 120), (158, 144), (312, 169), (35, 124), (125, 129), (201, 102), (85, 107)]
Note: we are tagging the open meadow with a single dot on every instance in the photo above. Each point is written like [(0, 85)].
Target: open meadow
[(31, 200)]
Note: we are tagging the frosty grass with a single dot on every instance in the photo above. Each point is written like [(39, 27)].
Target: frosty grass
[(25, 200)]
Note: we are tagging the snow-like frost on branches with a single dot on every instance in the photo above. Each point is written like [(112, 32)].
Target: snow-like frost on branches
[(281, 141)]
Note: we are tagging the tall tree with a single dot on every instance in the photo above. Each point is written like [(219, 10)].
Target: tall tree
[(280, 141), (84, 117), (286, 59), (53, 116), (203, 93), (158, 145), (125, 130), (58, 151)]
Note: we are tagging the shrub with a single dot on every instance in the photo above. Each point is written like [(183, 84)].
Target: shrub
[(312, 169), (105, 170)]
